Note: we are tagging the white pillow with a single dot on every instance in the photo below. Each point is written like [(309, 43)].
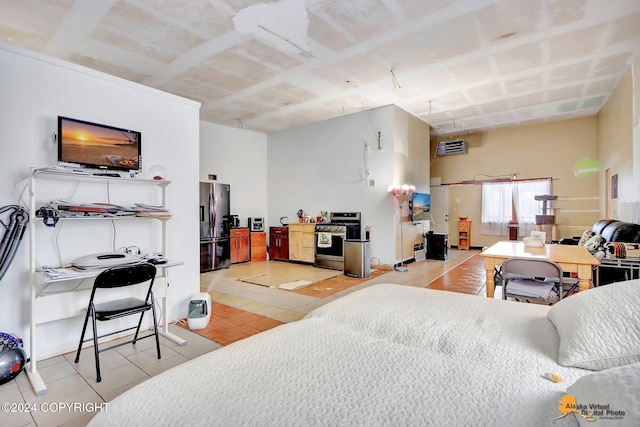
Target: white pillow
[(594, 242), (616, 390), (599, 328), (585, 236)]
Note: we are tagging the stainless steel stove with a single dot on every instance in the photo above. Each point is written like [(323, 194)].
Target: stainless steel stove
[(330, 237)]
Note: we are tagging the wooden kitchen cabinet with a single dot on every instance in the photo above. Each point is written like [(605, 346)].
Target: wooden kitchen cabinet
[(464, 234), (301, 242), (240, 245), (258, 246), (279, 243)]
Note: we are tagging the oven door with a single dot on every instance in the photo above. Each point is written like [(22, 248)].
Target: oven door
[(329, 255)]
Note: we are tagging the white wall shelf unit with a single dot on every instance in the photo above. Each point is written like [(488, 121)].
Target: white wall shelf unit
[(59, 298)]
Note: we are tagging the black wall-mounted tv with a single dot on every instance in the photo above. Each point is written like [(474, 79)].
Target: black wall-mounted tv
[(420, 207), (96, 146)]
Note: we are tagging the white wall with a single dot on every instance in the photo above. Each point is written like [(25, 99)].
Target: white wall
[(410, 166), (36, 89), (239, 158), (322, 167)]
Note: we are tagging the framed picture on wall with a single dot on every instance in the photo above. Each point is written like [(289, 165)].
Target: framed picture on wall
[(614, 186)]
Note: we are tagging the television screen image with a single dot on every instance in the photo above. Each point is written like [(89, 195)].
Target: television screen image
[(421, 207), (97, 146)]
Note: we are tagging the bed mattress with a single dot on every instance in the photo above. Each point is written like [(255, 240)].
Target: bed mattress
[(384, 355)]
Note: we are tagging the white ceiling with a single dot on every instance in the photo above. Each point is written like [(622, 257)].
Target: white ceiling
[(459, 65)]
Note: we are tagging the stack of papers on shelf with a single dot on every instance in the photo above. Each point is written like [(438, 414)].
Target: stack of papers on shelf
[(90, 208), (142, 209), (70, 209), (61, 273)]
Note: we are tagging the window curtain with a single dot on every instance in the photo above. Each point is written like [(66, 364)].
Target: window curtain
[(526, 206), (499, 198), (496, 208)]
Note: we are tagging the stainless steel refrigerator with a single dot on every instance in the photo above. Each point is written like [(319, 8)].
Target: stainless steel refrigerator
[(215, 246)]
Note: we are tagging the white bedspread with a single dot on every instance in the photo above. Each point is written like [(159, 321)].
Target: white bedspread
[(385, 355)]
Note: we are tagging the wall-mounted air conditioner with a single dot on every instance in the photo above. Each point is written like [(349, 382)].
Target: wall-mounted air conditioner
[(450, 148)]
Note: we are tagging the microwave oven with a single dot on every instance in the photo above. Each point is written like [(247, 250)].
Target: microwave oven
[(256, 224)]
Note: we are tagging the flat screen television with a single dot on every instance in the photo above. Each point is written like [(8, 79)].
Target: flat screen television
[(420, 207), (96, 146)]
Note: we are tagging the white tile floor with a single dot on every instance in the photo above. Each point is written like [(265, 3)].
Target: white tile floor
[(68, 382), (126, 366)]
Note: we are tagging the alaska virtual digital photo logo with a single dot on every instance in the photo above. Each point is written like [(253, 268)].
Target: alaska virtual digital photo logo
[(590, 412)]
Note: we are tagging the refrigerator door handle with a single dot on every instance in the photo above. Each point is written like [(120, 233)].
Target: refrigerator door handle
[(212, 212)]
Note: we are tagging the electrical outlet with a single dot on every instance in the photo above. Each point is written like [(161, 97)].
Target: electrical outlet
[(372, 183)]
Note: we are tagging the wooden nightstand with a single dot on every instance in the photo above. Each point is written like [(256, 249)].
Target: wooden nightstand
[(464, 234)]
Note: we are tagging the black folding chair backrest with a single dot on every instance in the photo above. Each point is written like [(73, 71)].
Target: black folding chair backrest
[(126, 275)]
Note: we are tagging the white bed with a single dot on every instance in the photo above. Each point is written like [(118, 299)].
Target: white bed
[(387, 355)]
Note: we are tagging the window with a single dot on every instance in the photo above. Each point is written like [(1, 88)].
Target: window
[(500, 200), (526, 206), (496, 208)]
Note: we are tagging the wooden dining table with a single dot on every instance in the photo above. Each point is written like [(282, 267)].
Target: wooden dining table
[(572, 259)]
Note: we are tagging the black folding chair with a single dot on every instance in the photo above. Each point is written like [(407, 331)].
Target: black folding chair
[(118, 277)]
